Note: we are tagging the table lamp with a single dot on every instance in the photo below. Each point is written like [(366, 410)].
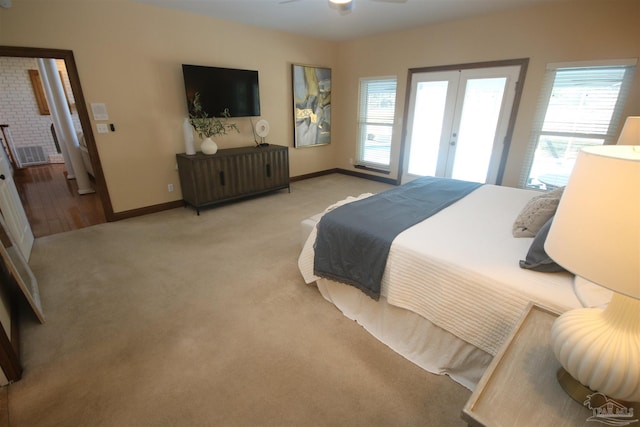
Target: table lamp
[(630, 134), (596, 235)]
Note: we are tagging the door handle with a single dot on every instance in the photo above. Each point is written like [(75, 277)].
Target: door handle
[(2, 177)]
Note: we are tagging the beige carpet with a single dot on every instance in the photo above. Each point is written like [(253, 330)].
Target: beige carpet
[(174, 319)]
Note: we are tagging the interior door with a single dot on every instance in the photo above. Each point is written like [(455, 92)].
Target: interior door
[(13, 213), (458, 121)]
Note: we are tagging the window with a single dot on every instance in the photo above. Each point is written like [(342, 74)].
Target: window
[(375, 122), (580, 106)]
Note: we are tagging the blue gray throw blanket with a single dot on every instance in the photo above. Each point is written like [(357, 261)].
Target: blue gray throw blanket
[(354, 240)]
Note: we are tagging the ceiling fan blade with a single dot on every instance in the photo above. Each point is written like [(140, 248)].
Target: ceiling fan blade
[(390, 1), (288, 1)]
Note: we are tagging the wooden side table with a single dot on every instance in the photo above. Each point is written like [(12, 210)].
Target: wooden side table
[(520, 387)]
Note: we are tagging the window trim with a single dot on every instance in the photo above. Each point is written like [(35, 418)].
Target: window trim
[(359, 162), (626, 62), (544, 100)]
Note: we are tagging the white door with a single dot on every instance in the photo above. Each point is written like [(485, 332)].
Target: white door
[(458, 121), (12, 211)]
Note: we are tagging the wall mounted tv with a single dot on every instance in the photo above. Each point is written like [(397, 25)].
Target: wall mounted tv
[(222, 88)]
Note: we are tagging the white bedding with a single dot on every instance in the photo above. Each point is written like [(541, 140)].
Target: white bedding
[(459, 269), (409, 334)]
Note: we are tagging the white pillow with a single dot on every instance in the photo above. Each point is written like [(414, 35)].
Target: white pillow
[(536, 213)]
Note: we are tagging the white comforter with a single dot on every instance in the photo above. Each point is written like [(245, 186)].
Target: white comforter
[(459, 269)]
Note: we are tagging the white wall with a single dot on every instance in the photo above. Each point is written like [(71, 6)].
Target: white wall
[(557, 32), (129, 56), (19, 109)]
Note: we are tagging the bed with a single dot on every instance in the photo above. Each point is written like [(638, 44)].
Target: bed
[(452, 287)]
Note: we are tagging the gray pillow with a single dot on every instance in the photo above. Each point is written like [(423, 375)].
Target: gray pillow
[(536, 213), (537, 258)]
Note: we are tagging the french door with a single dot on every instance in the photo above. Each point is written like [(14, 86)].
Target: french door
[(12, 211), (458, 122)]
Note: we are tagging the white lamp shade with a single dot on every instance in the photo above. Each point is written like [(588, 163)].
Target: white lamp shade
[(630, 134), (596, 229), (596, 235)]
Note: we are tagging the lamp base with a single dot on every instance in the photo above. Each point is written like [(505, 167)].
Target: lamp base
[(600, 348), (582, 394)]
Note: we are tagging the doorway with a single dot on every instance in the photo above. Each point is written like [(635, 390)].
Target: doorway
[(460, 120), (33, 176), (52, 203)]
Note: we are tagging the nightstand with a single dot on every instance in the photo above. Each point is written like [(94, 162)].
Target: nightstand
[(520, 387)]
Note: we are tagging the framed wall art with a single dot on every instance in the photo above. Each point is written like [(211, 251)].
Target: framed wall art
[(311, 105)]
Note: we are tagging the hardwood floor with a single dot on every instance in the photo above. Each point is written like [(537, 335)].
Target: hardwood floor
[(52, 203)]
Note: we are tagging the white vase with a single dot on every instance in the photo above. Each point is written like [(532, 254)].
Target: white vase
[(208, 146), (189, 145)]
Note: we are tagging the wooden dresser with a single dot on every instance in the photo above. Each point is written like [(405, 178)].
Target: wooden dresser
[(232, 173)]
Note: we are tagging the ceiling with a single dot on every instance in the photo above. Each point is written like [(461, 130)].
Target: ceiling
[(316, 18)]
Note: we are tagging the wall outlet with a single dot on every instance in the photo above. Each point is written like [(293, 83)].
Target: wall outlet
[(170, 188)]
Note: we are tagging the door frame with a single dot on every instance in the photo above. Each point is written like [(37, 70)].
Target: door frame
[(522, 62), (81, 108)]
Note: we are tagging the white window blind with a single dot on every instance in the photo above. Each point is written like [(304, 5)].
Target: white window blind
[(375, 122), (579, 106)]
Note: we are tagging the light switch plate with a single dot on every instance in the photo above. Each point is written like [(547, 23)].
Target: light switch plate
[(102, 128)]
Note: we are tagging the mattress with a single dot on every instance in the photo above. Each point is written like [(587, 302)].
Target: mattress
[(459, 269)]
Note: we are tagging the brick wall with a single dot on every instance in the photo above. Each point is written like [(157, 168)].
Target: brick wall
[(18, 107)]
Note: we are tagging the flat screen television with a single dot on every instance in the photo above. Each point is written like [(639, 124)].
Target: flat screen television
[(222, 88)]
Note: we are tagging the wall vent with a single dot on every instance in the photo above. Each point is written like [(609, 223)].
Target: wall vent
[(31, 155)]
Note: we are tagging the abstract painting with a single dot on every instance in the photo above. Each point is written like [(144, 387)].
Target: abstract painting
[(311, 105)]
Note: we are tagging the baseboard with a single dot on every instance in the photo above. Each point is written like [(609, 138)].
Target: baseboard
[(369, 176), (313, 175), (346, 172), (117, 216)]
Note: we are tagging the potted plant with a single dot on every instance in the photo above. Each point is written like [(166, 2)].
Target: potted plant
[(208, 127)]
